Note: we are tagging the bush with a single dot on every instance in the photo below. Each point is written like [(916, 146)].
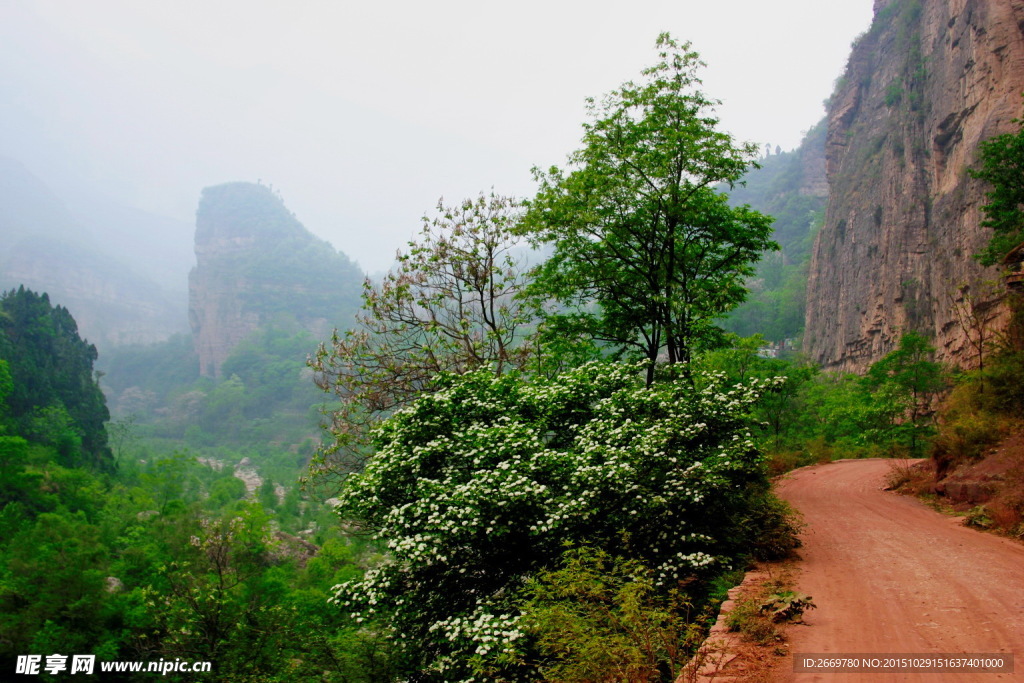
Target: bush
[(1006, 379), (479, 486), (747, 618), (772, 527), (970, 424), (601, 619)]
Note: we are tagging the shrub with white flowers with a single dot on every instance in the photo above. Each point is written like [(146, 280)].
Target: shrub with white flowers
[(475, 488)]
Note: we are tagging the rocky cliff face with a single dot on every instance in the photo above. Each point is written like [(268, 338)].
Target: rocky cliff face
[(257, 266), (923, 87)]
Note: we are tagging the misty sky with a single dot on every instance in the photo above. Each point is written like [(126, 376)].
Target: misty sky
[(363, 114)]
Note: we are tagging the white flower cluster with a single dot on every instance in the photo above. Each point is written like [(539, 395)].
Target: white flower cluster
[(485, 632), (474, 488)]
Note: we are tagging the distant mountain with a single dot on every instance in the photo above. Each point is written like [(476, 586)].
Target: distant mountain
[(258, 267), (29, 209), (74, 258)]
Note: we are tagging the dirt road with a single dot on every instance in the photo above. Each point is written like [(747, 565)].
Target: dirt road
[(890, 575)]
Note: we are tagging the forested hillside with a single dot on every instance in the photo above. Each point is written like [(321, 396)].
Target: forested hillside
[(112, 549), (791, 188), (259, 268)]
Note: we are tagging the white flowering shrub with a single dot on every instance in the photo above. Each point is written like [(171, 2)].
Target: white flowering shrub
[(478, 486)]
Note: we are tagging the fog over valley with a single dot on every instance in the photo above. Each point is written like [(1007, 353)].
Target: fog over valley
[(360, 115)]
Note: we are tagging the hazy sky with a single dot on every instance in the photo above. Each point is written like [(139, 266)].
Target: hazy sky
[(364, 114)]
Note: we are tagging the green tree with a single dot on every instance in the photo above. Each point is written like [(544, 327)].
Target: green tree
[(224, 601), (637, 227), (1002, 165), (6, 387), (52, 371), (910, 379), (53, 588), (778, 410)]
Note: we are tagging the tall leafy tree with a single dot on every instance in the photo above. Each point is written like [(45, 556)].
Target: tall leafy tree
[(647, 254), (911, 379)]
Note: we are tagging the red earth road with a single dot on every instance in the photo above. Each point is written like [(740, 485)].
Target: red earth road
[(891, 575)]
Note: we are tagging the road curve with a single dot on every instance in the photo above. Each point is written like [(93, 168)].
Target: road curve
[(890, 575)]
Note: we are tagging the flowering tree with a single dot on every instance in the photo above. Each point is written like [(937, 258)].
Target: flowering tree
[(449, 306), (480, 484)]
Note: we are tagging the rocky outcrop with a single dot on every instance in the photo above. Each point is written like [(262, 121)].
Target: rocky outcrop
[(256, 267), (926, 84)]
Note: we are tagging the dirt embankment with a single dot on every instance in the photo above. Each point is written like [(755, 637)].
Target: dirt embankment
[(890, 575), (995, 481)]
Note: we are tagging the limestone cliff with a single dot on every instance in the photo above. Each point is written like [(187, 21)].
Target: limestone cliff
[(257, 266), (925, 84)]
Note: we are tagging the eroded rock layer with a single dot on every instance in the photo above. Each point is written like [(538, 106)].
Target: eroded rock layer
[(928, 82)]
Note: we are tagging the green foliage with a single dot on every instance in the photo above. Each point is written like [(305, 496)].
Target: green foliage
[(637, 228), (812, 416), (51, 372), (984, 407), (265, 404), (1002, 166), (777, 186), (223, 602), (777, 299), (909, 379), (772, 527), (746, 618), (1005, 380), (186, 578), (893, 94), (779, 411), (596, 618), (163, 558), (787, 606), (979, 517), (6, 386), (139, 378), (478, 485)]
